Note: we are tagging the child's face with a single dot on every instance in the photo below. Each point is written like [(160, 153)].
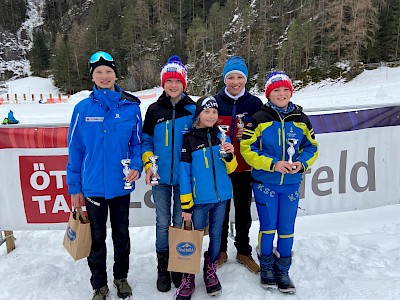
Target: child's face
[(174, 88), (235, 83), (104, 77), (280, 96), (208, 117)]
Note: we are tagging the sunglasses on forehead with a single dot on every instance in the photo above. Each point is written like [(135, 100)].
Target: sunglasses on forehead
[(101, 54)]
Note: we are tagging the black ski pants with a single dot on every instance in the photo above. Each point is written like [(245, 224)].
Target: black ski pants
[(98, 208), (242, 191)]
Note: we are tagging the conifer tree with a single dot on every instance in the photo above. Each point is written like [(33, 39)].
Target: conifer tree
[(39, 55)]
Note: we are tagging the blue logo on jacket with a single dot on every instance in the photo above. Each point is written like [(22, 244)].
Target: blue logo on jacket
[(71, 235), (185, 248)]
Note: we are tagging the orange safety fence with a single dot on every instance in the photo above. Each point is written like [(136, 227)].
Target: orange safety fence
[(148, 96), (17, 99)]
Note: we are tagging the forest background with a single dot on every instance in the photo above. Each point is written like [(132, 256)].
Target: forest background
[(309, 39)]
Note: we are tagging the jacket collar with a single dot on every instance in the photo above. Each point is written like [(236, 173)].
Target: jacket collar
[(165, 100), (223, 95)]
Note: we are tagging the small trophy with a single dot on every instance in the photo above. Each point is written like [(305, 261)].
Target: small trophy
[(126, 162), (291, 151), (240, 124), (154, 168), (223, 129)]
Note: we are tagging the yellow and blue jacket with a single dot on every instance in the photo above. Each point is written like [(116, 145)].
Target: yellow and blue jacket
[(163, 129), (265, 142), (203, 175)]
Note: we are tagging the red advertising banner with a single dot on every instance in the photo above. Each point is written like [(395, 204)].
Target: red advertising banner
[(44, 188), (33, 137)]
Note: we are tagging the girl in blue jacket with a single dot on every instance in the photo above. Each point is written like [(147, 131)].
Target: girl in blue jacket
[(279, 144), (205, 188), (105, 129)]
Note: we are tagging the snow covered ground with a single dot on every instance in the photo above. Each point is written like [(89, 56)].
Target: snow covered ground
[(345, 256)]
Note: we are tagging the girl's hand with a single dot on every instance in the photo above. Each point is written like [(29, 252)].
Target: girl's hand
[(186, 216), (227, 147)]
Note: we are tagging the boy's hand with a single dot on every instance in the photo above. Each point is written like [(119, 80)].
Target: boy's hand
[(240, 133), (132, 176), (77, 200), (149, 173), (283, 167), (296, 167)]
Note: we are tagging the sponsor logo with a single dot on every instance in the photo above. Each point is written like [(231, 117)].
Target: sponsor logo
[(186, 248), (200, 146), (71, 235), (94, 119)]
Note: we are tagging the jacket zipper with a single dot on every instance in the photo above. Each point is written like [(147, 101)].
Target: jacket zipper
[(283, 143), (205, 157), (213, 165), (232, 129), (172, 143), (194, 187), (166, 133)]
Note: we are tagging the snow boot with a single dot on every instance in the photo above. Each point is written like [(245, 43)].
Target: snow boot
[(282, 266), (248, 262), (213, 286), (176, 278), (186, 289), (267, 275), (101, 293), (124, 290), (223, 258), (163, 275)]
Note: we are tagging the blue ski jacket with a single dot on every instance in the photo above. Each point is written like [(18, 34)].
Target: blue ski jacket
[(105, 128), (163, 129), (265, 142), (203, 176)]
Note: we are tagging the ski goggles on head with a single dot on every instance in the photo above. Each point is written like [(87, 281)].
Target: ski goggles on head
[(100, 54)]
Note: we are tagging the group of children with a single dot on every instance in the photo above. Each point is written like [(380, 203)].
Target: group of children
[(266, 149)]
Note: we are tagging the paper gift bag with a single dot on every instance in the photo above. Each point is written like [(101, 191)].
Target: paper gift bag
[(77, 238), (185, 250)]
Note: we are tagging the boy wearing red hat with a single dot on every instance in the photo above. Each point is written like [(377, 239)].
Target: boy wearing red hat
[(279, 144), (164, 125)]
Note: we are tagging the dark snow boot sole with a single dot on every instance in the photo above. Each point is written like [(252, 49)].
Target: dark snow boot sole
[(288, 291), (216, 293), (269, 286)]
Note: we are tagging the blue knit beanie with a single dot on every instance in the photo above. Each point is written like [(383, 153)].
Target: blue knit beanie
[(235, 64)]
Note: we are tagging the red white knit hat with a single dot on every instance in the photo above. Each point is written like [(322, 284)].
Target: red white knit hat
[(276, 80), (174, 69)]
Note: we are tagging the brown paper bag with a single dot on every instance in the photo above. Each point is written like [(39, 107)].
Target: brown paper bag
[(185, 250), (77, 238)]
